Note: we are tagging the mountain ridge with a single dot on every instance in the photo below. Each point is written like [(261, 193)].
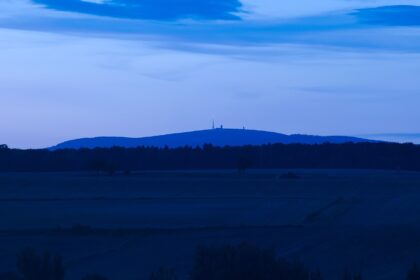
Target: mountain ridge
[(216, 137)]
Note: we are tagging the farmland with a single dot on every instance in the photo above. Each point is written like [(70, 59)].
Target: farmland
[(127, 226)]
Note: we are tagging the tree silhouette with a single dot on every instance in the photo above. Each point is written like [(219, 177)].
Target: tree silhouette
[(244, 163), (245, 262), (349, 275), (317, 275), (40, 267), (163, 274), (94, 277), (10, 276), (387, 156), (414, 273)]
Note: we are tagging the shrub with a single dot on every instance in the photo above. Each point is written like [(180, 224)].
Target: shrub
[(245, 262), (414, 273), (94, 277), (10, 276), (244, 163), (40, 267), (163, 274), (349, 275)]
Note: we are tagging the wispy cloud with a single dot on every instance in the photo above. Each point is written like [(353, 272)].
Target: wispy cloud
[(390, 16), (95, 1), (352, 30), (395, 137), (274, 9), (150, 9)]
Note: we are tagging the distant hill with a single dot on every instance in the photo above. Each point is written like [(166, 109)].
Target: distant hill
[(216, 137)]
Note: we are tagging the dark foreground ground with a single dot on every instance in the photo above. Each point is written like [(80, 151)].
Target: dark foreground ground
[(127, 226)]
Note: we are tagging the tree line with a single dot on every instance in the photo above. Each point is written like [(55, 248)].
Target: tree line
[(387, 156), (231, 262)]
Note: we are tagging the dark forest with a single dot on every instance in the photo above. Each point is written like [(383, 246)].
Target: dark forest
[(386, 156)]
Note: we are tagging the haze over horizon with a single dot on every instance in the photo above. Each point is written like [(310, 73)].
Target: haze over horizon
[(85, 68)]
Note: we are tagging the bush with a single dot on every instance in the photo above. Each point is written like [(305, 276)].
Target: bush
[(40, 267), (94, 277), (244, 163), (103, 166), (317, 275), (245, 262), (414, 273), (349, 275), (163, 274), (10, 276)]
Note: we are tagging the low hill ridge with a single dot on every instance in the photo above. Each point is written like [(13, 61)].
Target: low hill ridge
[(216, 137)]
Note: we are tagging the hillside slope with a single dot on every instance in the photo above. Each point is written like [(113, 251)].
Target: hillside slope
[(216, 137)]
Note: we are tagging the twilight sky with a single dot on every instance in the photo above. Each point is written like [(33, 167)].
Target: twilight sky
[(82, 68)]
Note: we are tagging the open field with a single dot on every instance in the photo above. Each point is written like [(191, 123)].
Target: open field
[(367, 221)]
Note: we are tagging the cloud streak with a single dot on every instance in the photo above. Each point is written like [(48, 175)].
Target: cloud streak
[(359, 30), (151, 9), (390, 16), (355, 31)]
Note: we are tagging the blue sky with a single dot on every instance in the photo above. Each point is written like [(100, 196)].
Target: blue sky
[(73, 68)]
